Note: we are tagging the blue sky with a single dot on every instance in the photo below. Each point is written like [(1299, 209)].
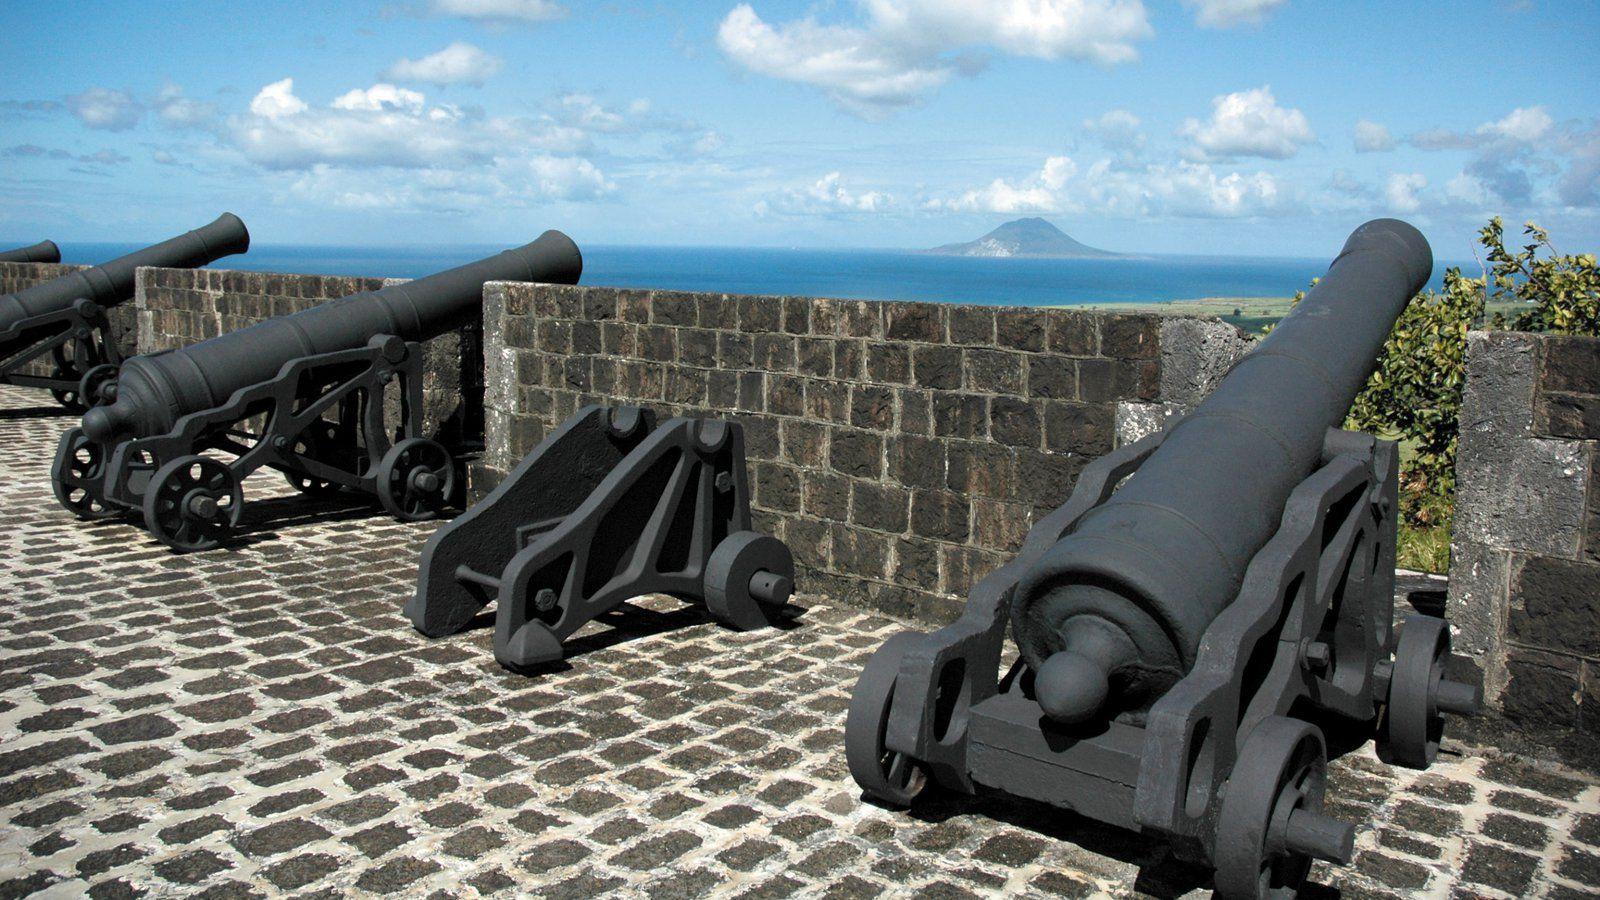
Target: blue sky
[(1262, 127)]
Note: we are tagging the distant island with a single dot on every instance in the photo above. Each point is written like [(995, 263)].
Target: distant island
[(1031, 237)]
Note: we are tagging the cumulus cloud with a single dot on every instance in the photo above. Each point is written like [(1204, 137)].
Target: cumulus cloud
[(828, 195), (382, 125), (459, 63), (106, 109), (1524, 125), (1401, 191), (500, 11), (1117, 129), (390, 147), (1186, 189), (1370, 137), (1228, 13), (1248, 123), (178, 111), (904, 50)]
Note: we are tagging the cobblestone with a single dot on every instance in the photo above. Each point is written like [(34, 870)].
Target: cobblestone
[(262, 719)]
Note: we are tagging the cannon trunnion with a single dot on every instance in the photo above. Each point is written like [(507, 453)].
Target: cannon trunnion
[(64, 320), (609, 507), (330, 396), (1203, 604)]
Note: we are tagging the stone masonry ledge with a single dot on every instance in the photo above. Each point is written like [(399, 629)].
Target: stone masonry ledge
[(261, 720)]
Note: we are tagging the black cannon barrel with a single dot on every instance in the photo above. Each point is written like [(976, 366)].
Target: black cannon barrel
[(1116, 608), (42, 252), (153, 391), (111, 283)]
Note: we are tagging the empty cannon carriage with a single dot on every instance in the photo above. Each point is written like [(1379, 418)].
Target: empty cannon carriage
[(608, 508), (1204, 603), (330, 396), (63, 322)]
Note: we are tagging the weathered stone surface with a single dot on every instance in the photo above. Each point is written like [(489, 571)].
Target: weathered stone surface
[(1480, 578), (1195, 354), (1526, 495)]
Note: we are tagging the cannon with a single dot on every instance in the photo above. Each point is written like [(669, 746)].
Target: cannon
[(608, 508), (330, 396), (65, 317), (42, 252), (1205, 603)]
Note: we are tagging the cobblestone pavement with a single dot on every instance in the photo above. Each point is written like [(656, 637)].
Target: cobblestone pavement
[(262, 720)]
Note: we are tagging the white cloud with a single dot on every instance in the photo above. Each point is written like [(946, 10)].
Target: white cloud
[(382, 125), (1187, 189), (1467, 190), (106, 109), (828, 195), (1118, 129), (459, 63), (1401, 191), (388, 147), (1370, 137), (831, 192), (1523, 125), (500, 10), (178, 111), (380, 97), (1228, 13), (1248, 123), (905, 50), (277, 100)]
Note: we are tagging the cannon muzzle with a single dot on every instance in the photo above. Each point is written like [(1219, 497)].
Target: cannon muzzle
[(42, 252), (1112, 615), (154, 391), (111, 283)]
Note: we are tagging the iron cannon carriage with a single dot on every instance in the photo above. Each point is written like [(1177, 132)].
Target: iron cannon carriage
[(330, 396), (65, 319), (1207, 601), (609, 507)]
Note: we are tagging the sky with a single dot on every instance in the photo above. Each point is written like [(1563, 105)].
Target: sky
[(1234, 127)]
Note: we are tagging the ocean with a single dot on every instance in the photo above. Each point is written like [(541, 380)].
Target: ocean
[(853, 274)]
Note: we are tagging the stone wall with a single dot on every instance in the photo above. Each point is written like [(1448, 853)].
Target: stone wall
[(15, 276), (177, 307), (902, 449), (1525, 561)]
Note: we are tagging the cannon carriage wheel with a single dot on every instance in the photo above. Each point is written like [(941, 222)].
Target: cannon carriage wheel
[(884, 774), (416, 479), (1271, 824), (748, 580), (1419, 694), (193, 503), (79, 461)]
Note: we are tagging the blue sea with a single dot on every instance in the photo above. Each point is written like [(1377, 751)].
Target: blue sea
[(854, 274)]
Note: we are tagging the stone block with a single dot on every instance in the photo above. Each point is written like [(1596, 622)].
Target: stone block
[(1526, 495), (1195, 354), (1574, 416), (1480, 583), (1555, 605), (1571, 364), (920, 322), (1543, 688)]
